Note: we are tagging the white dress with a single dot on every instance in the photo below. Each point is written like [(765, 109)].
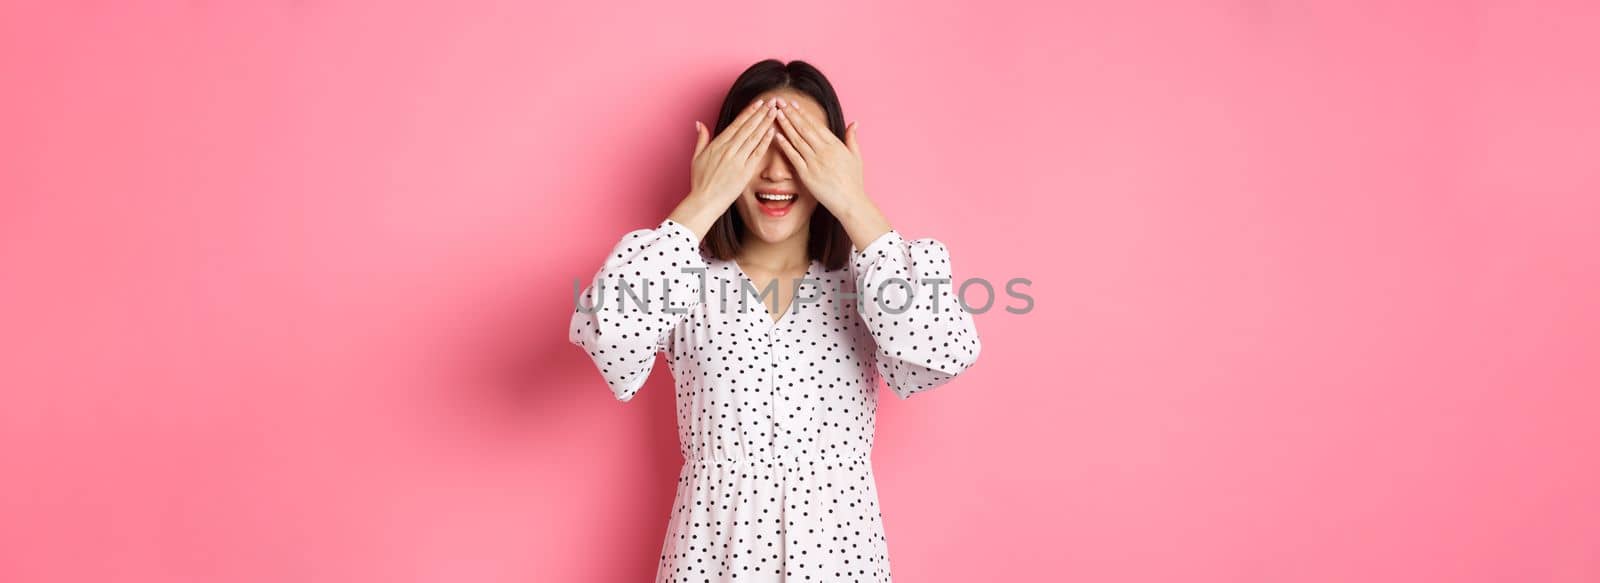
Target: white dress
[(775, 418)]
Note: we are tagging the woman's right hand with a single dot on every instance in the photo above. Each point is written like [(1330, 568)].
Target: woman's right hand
[(722, 167)]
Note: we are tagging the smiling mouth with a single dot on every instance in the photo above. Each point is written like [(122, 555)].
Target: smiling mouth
[(774, 200), (775, 204)]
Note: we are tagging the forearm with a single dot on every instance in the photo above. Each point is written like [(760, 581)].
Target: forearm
[(862, 221), (924, 335), (698, 212)]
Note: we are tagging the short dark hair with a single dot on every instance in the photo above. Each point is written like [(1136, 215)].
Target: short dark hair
[(827, 241)]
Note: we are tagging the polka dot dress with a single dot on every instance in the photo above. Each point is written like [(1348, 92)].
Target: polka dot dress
[(775, 417)]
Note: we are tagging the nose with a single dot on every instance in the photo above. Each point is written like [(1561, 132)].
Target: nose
[(775, 168)]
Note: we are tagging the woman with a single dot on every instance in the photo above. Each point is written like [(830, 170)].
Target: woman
[(776, 404)]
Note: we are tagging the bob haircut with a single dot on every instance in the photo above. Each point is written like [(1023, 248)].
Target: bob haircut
[(827, 240)]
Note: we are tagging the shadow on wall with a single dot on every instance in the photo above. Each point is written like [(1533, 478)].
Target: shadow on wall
[(536, 395)]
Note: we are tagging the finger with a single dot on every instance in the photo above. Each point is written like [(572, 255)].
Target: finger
[(810, 130), (754, 140), (751, 133), (760, 150), (792, 134), (795, 159), (728, 133), (701, 137), (850, 139)]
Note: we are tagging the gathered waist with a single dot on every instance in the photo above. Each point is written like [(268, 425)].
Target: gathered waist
[(779, 461)]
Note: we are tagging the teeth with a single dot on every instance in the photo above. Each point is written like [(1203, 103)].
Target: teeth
[(765, 196)]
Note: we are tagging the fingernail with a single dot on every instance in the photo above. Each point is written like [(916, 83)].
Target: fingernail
[(758, 102)]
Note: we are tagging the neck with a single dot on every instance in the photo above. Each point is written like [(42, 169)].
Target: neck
[(783, 256)]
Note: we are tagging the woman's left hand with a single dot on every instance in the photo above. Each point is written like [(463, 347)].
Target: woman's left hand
[(829, 168)]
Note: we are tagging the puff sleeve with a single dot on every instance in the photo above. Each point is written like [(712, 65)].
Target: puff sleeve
[(908, 302), (644, 289)]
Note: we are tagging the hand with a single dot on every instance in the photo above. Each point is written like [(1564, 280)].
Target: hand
[(830, 168), (831, 171), (722, 167)]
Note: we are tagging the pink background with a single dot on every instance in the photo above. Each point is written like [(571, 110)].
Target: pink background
[(286, 285)]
